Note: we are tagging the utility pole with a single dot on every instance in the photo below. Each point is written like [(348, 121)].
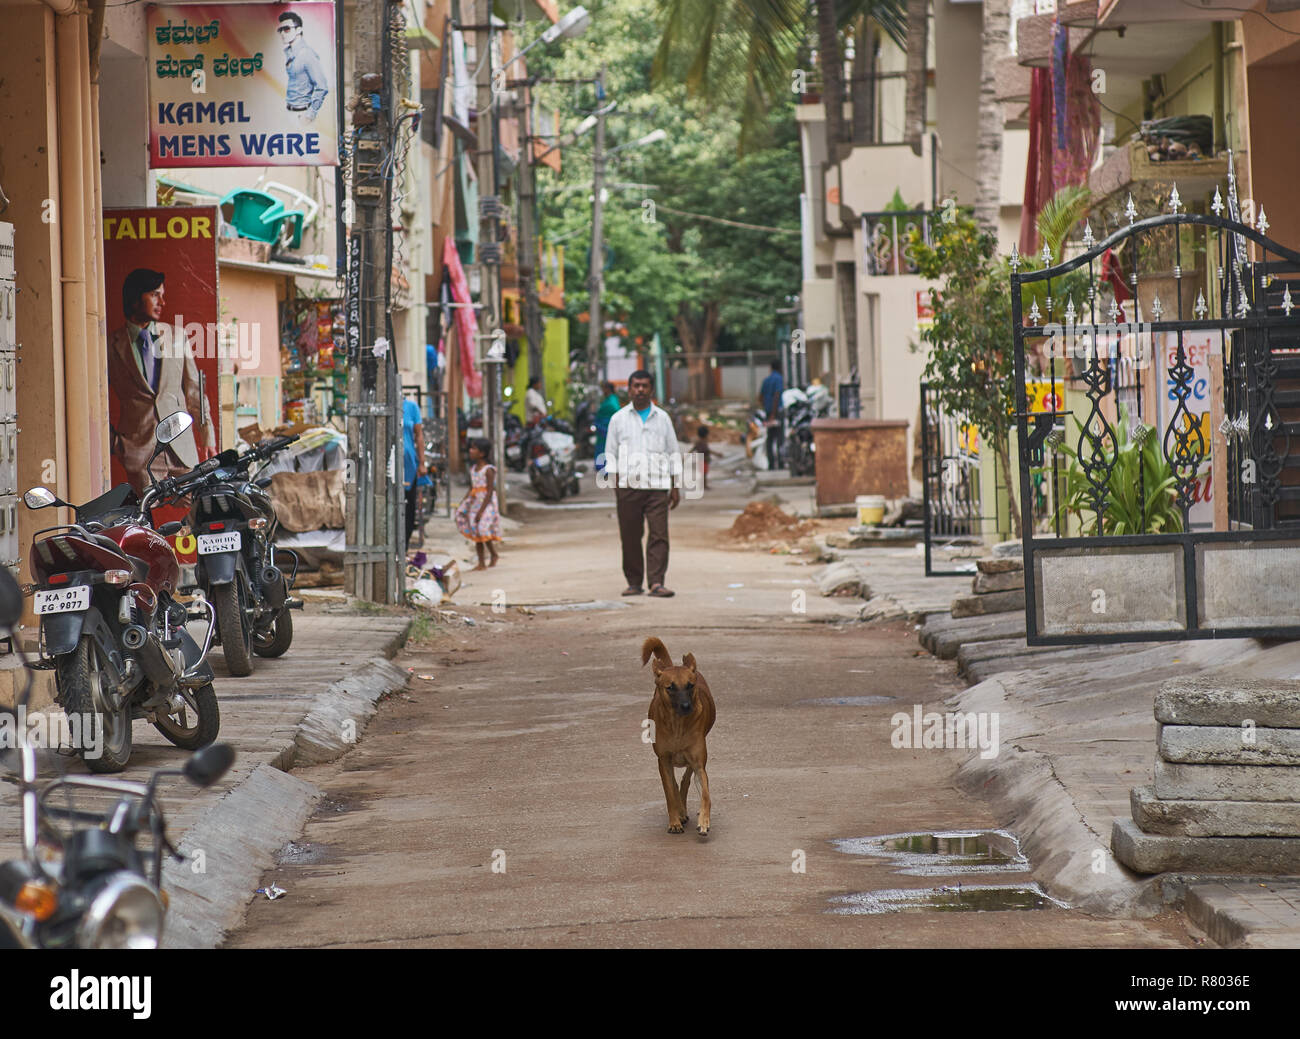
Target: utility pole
[(374, 485), (596, 277), (527, 257), (490, 211)]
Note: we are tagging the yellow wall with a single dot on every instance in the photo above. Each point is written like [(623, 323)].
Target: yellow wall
[(555, 369)]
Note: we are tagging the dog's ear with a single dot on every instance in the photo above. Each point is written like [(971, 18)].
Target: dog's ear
[(689, 661)]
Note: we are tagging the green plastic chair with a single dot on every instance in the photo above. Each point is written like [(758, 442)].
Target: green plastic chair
[(255, 215)]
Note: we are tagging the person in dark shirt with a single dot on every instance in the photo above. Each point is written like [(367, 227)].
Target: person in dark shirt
[(770, 396), (701, 447)]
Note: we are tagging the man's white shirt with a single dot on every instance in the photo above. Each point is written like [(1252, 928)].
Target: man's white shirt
[(643, 455)]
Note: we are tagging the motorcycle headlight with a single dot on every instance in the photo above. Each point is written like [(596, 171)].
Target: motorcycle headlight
[(125, 914)]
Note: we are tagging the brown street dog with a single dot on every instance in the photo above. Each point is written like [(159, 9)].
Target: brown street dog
[(682, 712)]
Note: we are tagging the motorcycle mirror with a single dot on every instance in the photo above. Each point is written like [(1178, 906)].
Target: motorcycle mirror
[(168, 529), (208, 765), (41, 497), (173, 426), (11, 600)]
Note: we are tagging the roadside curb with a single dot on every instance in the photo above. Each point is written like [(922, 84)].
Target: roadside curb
[(1026, 792), (240, 835), (238, 838)]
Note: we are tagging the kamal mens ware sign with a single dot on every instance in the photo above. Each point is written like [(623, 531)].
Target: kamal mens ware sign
[(242, 85)]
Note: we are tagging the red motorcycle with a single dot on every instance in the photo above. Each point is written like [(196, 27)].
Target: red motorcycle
[(110, 627)]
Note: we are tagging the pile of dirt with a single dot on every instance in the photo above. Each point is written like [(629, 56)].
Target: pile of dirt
[(762, 519)]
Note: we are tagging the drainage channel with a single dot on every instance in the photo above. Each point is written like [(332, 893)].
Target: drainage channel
[(950, 854)]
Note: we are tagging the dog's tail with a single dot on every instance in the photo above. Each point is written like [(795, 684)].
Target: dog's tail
[(654, 647)]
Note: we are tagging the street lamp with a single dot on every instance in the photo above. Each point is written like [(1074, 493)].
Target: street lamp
[(581, 129), (571, 25)]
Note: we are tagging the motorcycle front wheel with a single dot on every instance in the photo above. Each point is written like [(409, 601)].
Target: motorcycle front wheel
[(275, 643), (81, 687), (197, 723), (233, 625)]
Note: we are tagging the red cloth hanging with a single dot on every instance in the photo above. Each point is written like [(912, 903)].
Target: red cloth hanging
[(466, 323)]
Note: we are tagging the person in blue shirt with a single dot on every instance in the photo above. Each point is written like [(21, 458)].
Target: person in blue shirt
[(307, 83), (770, 395), (413, 460)]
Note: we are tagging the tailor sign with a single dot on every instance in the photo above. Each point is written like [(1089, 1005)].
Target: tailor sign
[(242, 85)]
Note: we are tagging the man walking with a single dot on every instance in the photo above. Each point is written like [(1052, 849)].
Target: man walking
[(770, 395), (641, 453)]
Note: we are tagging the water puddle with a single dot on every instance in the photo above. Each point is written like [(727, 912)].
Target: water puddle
[(595, 604), (297, 853), (952, 854), (954, 898), (944, 853), (845, 701)]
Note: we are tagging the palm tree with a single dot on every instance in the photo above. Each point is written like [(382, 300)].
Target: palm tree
[(918, 25), (745, 51), (988, 143)]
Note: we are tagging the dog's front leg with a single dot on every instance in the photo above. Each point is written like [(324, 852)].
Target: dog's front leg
[(704, 802), (670, 792)]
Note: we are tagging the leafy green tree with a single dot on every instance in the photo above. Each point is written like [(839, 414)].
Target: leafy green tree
[(971, 367), (672, 267)]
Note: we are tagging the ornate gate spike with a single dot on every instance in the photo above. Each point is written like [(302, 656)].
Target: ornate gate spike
[(1174, 200), (1261, 225), (1088, 240), (1034, 315), (1130, 210), (1015, 258), (1047, 255), (1156, 308), (1243, 308), (1069, 311), (1217, 204), (1200, 309), (1114, 310), (1287, 305)]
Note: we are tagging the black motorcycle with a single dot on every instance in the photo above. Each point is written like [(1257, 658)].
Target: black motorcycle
[(87, 886), (234, 523)]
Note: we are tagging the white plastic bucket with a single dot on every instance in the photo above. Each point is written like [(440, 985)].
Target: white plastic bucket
[(871, 509)]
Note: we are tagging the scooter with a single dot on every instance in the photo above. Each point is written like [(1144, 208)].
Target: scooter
[(110, 627), (551, 470), (97, 890), (235, 524)]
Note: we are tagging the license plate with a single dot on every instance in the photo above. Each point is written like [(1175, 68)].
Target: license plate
[(62, 600), (210, 544)]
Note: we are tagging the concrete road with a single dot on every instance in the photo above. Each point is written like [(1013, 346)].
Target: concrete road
[(506, 797)]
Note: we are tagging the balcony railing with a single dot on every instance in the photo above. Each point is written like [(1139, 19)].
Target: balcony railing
[(885, 239)]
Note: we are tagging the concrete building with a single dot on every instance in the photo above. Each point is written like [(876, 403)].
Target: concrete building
[(863, 307)]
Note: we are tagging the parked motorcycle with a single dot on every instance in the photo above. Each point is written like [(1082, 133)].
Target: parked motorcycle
[(515, 436), (235, 524), (551, 470), (585, 433), (99, 890), (801, 408), (110, 627)]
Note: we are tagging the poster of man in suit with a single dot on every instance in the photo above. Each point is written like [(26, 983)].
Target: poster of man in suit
[(161, 285)]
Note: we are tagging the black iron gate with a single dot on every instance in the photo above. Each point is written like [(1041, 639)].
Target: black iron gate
[(950, 483), (1179, 436)]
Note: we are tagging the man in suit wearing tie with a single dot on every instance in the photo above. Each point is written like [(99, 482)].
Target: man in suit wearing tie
[(150, 377)]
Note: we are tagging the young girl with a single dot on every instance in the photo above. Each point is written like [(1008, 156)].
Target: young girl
[(476, 516)]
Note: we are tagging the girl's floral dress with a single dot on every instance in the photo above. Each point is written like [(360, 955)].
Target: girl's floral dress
[(488, 527)]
